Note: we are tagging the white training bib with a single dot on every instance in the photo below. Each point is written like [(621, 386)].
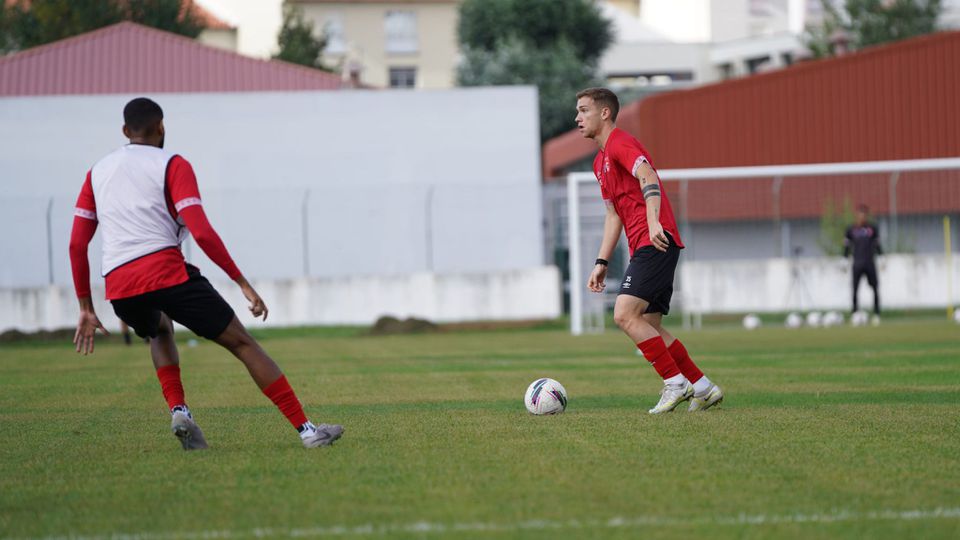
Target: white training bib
[(129, 188)]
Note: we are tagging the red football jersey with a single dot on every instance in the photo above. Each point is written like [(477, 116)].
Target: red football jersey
[(614, 167)]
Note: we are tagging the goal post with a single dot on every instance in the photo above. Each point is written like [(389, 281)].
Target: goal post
[(579, 190)]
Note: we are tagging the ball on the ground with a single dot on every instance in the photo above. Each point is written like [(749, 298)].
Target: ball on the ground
[(751, 322), (545, 396), (814, 318), (794, 320), (859, 318), (832, 318), (956, 315)]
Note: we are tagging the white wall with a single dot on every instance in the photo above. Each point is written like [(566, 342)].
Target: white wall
[(343, 183), (770, 285), (529, 294)]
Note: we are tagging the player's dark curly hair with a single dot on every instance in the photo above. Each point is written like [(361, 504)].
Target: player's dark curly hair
[(141, 115)]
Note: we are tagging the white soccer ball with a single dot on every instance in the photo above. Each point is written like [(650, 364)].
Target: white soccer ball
[(814, 319), (794, 320), (545, 396), (859, 318), (832, 318), (752, 322), (956, 315)]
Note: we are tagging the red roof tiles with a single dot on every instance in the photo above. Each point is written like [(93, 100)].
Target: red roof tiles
[(130, 58)]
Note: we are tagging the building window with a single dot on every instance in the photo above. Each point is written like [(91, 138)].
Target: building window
[(758, 64), (403, 77), (333, 31), (400, 28)]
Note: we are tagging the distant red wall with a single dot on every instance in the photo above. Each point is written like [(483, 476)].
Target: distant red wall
[(900, 101)]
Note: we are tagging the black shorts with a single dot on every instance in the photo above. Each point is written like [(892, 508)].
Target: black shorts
[(649, 276), (194, 304)]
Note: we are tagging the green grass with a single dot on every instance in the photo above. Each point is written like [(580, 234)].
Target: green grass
[(824, 433)]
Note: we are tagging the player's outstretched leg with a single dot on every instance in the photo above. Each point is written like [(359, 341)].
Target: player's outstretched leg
[(166, 360), (628, 314), (274, 385)]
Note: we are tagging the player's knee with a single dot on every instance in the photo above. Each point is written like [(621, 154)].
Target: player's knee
[(165, 328), (235, 337), (624, 318)]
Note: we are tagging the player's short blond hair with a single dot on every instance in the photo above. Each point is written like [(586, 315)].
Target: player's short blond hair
[(604, 98)]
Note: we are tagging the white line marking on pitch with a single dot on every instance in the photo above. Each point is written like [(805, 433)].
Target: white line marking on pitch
[(427, 527)]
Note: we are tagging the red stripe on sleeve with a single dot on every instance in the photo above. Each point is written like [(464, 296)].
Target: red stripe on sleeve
[(181, 184)]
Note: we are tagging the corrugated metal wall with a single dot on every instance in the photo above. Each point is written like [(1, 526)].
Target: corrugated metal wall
[(900, 101)]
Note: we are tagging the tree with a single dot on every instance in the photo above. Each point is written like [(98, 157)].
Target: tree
[(834, 220), (485, 24), (298, 42), (26, 24), (557, 71), (553, 44), (872, 22)]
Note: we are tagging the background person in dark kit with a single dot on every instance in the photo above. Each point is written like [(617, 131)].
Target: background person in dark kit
[(862, 240)]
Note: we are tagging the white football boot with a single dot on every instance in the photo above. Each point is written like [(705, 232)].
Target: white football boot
[(320, 435), (710, 397), (671, 396), (189, 433)]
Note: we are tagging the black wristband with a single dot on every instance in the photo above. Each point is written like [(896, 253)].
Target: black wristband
[(602, 261)]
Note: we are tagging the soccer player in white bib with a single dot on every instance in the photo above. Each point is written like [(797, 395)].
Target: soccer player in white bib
[(637, 205), (144, 201)]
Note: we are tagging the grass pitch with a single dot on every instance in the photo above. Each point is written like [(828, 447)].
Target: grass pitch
[(844, 432)]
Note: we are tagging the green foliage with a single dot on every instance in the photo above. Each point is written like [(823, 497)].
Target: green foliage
[(872, 22), (834, 221), (167, 15), (486, 24), (552, 44), (556, 71), (299, 43), (29, 24)]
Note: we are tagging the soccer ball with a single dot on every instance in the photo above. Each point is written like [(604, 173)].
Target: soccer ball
[(794, 320), (859, 318), (956, 315), (752, 322), (832, 318), (545, 396), (814, 318)]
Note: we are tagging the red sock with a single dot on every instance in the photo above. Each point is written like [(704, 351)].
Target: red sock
[(684, 362), (171, 386), (283, 397), (655, 351)]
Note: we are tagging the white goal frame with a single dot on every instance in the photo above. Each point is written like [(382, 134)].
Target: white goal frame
[(776, 172)]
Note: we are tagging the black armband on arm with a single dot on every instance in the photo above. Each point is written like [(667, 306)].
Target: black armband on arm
[(602, 262), (653, 190)]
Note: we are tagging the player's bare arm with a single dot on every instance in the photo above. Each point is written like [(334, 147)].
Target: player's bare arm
[(650, 187), (612, 226)]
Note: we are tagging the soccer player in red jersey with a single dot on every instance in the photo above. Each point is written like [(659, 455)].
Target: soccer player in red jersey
[(636, 203), (144, 200)]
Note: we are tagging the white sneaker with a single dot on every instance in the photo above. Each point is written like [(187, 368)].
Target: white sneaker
[(687, 390), (711, 397), (321, 435), (190, 435), (671, 396)]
